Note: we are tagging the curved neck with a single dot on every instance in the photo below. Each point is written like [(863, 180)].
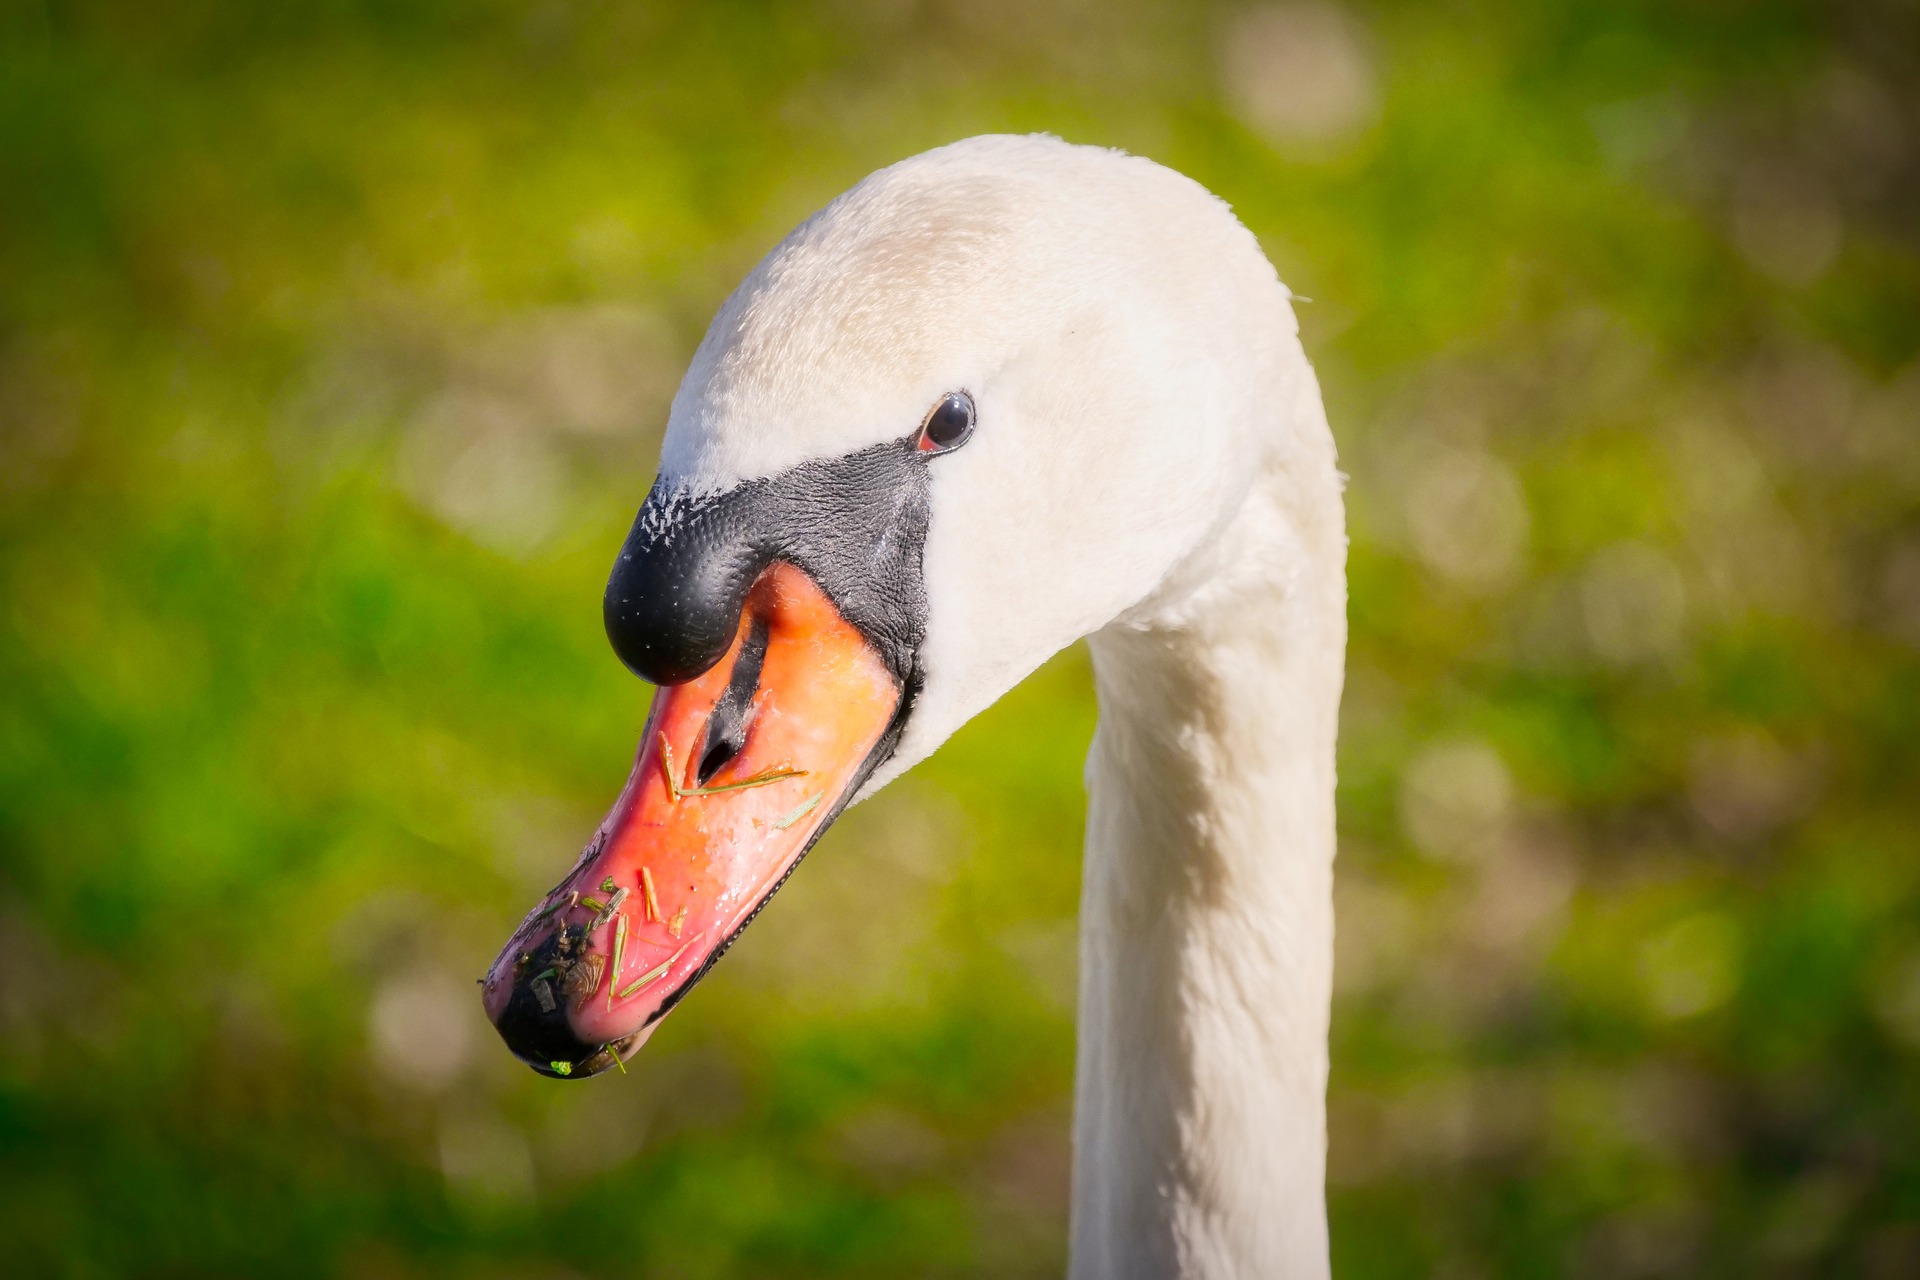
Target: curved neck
[(1207, 914)]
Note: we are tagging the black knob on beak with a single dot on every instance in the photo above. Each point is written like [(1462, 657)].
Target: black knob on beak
[(674, 598)]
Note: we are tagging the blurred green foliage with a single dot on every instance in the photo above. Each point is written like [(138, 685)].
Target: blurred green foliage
[(335, 339)]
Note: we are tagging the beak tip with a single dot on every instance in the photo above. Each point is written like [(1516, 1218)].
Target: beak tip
[(540, 1020), (591, 1061)]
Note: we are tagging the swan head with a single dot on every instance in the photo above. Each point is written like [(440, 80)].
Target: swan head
[(990, 400)]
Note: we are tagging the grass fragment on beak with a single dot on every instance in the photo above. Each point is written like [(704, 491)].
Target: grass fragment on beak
[(611, 909), (646, 888), (669, 770), (654, 974), (619, 951), (806, 807)]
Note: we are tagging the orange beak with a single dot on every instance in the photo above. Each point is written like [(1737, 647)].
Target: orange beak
[(738, 772)]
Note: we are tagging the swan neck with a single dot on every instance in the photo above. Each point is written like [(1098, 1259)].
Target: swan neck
[(1207, 917)]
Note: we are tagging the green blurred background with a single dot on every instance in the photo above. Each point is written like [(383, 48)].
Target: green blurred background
[(335, 342)]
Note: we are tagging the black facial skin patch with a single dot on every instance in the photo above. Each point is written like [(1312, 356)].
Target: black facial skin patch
[(856, 525)]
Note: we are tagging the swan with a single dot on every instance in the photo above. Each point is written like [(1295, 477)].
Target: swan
[(995, 398)]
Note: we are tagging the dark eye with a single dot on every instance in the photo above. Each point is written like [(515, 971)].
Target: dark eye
[(949, 425)]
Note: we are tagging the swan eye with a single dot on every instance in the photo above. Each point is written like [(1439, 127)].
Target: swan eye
[(949, 425)]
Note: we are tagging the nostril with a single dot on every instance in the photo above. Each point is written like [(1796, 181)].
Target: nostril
[(716, 759), (733, 712)]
